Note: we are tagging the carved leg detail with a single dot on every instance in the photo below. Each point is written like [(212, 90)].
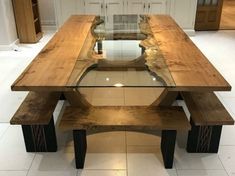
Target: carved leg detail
[(40, 138), (203, 139)]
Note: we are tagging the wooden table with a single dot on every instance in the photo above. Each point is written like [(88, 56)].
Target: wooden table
[(63, 61)]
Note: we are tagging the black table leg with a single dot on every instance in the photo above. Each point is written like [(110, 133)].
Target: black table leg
[(40, 138), (80, 147), (203, 139), (168, 147)]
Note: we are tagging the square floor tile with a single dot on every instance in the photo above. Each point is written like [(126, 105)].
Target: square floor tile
[(13, 173), (103, 142), (141, 96), (3, 128), (151, 164), (12, 151), (227, 157), (58, 163), (228, 135), (229, 104), (115, 161), (142, 138), (184, 160), (201, 173), (101, 173), (107, 142)]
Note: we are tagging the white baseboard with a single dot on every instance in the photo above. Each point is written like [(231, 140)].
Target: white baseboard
[(9, 47), (49, 28), (48, 25), (190, 32)]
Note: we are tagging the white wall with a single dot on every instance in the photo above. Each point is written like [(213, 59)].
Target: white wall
[(47, 12), (7, 23)]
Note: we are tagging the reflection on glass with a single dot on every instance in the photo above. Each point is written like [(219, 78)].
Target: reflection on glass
[(121, 60)]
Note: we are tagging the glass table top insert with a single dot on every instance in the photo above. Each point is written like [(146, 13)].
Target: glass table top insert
[(125, 55)]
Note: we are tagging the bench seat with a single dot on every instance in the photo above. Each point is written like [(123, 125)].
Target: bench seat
[(167, 119), (206, 109), (207, 117), (35, 114), (124, 118), (36, 109)]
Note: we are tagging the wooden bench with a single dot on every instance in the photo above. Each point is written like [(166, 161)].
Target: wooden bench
[(35, 115), (167, 119), (208, 115)]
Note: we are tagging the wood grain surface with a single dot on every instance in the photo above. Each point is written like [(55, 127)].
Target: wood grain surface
[(63, 61), (206, 109), (52, 67), (124, 118), (189, 68), (36, 109)]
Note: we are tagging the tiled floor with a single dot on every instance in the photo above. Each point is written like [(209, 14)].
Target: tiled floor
[(114, 153)]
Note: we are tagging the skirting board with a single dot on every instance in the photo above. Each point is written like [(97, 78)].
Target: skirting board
[(190, 32), (9, 47), (48, 25), (49, 28)]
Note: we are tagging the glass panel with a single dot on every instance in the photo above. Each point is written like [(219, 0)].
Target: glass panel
[(121, 59)]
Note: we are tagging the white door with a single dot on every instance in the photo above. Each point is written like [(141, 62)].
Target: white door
[(93, 7), (113, 7), (157, 7), (136, 7)]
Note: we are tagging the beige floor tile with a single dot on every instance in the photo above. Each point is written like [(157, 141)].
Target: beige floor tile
[(102, 173), (201, 161), (150, 164), (227, 157), (141, 96), (101, 93), (108, 97), (112, 161), (59, 164), (108, 102), (141, 138), (144, 149), (108, 142)]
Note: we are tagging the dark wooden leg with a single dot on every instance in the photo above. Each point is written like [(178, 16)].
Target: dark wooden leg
[(80, 146), (168, 147), (100, 47), (203, 139), (62, 96), (40, 138)]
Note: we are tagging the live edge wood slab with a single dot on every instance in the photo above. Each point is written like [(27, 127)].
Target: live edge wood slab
[(66, 57), (124, 118), (36, 109)]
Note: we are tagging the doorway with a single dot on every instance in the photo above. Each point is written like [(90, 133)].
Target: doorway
[(208, 15), (228, 15)]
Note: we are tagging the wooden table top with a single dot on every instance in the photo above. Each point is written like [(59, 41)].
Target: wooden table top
[(53, 67)]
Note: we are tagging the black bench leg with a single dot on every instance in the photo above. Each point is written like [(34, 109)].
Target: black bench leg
[(40, 138), (203, 139), (80, 146), (168, 147)]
